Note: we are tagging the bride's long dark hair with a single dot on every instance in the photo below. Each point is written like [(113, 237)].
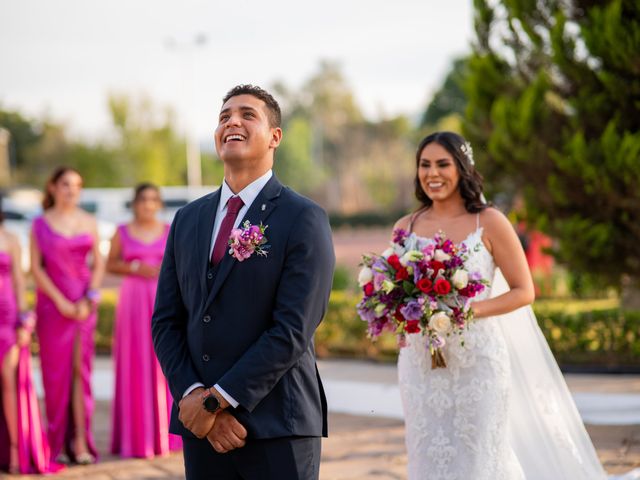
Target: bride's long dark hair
[(470, 184)]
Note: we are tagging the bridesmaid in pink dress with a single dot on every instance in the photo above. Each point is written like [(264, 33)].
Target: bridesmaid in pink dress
[(67, 268), (142, 402), (23, 444)]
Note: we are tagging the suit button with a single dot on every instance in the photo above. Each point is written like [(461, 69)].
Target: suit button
[(206, 319), (205, 357), (209, 275)]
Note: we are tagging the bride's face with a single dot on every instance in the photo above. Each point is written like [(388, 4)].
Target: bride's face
[(438, 172)]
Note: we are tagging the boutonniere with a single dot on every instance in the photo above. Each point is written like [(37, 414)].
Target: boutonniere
[(247, 240)]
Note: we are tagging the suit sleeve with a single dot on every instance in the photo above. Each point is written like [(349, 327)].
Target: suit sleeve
[(300, 304), (169, 325)]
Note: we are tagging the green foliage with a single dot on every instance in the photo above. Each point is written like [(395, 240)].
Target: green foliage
[(382, 218), (150, 148), (553, 91), (294, 163), (600, 337), (342, 279), (330, 152), (449, 99), (592, 332), (25, 134)]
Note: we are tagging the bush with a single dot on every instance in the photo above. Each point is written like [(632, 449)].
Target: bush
[(366, 219), (602, 338), (593, 333), (588, 333)]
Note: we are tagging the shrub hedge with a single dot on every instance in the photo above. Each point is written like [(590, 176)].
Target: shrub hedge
[(580, 333)]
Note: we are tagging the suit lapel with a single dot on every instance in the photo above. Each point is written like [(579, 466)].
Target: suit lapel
[(258, 213), (204, 229)]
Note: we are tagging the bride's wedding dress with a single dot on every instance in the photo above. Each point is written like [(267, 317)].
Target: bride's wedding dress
[(501, 410)]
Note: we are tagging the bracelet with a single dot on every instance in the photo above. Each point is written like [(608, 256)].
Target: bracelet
[(134, 266), (93, 295), (26, 320)]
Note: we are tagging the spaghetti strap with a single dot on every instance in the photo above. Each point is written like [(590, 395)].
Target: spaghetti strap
[(413, 219)]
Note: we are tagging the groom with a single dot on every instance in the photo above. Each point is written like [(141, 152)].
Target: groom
[(235, 338)]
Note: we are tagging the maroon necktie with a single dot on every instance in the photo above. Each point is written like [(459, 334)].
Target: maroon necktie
[(222, 240)]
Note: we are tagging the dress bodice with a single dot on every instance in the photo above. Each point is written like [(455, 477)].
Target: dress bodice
[(147, 252), (64, 258)]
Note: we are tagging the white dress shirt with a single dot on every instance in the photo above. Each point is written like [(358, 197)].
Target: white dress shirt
[(248, 194)]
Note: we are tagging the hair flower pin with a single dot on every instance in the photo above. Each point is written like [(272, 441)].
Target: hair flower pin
[(468, 151)]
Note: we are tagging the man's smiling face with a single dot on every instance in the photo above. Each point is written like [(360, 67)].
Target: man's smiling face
[(244, 131)]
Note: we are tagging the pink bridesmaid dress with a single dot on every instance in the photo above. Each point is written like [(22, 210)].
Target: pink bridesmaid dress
[(33, 448), (142, 402), (65, 261)]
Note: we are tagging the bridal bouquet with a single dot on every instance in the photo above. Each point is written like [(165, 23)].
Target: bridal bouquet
[(411, 289)]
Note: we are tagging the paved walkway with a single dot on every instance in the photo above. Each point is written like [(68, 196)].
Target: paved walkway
[(368, 445)]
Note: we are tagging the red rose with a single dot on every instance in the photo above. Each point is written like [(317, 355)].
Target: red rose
[(402, 274), (425, 285), (412, 326), (394, 261), (442, 287), (368, 289), (398, 314), (436, 266)]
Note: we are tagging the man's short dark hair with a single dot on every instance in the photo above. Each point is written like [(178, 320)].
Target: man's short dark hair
[(275, 116)]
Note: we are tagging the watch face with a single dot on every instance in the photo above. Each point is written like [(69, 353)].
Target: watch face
[(211, 404)]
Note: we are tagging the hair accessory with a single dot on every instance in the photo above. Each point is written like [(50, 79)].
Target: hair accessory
[(468, 151)]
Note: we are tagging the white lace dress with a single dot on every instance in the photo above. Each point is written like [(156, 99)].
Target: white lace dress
[(457, 417)]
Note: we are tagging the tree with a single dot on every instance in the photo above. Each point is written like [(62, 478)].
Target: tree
[(553, 93), (294, 162), (24, 132), (449, 99), (149, 147), (331, 152)]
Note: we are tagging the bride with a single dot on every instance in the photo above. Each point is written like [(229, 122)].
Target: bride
[(501, 408)]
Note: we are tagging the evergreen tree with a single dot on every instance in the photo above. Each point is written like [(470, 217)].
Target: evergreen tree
[(553, 91)]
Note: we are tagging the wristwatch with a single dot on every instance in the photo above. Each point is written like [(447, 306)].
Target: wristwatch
[(210, 402)]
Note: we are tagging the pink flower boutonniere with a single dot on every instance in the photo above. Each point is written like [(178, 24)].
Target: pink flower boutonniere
[(247, 240)]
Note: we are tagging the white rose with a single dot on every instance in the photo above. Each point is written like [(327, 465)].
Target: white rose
[(460, 279), (440, 322), (365, 276), (388, 252), (411, 256), (441, 256)]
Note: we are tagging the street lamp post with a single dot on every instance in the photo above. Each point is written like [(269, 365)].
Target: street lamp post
[(194, 167)]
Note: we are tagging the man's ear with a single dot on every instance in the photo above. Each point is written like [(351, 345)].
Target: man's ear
[(276, 137)]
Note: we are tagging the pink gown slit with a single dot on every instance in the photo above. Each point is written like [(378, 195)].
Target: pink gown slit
[(65, 262), (33, 448)]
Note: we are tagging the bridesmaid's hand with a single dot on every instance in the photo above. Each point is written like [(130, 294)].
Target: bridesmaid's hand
[(83, 309), (66, 308), (23, 337), (148, 271)]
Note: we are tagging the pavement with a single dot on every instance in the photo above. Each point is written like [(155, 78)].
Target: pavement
[(366, 439)]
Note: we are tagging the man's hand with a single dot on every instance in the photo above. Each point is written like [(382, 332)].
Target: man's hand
[(227, 433), (193, 416)]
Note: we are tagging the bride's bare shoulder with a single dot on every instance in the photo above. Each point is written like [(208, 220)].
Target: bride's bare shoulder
[(491, 218), (404, 222)]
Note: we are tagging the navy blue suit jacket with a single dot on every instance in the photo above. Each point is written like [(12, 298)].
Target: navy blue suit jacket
[(250, 328)]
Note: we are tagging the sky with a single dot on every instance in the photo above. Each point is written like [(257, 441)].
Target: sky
[(62, 58)]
